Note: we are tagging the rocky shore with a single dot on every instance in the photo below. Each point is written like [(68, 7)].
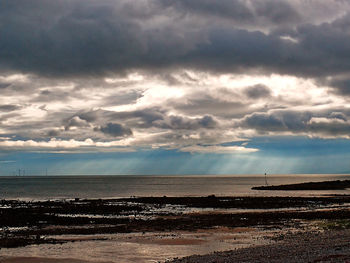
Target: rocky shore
[(325, 185), (309, 246), (38, 222)]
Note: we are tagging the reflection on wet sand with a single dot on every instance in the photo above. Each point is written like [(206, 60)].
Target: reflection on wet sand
[(152, 229), (137, 247)]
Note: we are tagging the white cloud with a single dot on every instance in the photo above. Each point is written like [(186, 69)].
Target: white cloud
[(65, 145), (217, 149), (14, 78), (162, 111), (326, 120)]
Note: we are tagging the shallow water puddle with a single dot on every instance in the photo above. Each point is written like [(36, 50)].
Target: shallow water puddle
[(138, 247)]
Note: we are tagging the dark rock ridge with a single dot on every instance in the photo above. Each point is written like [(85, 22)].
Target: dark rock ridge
[(325, 185)]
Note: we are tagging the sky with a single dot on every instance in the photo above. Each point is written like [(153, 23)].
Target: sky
[(174, 86)]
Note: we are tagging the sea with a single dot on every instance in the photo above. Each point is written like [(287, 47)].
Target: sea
[(115, 186)]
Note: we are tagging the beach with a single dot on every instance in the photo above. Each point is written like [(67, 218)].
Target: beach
[(309, 246), (160, 229)]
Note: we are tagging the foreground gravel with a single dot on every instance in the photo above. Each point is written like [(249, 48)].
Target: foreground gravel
[(328, 246)]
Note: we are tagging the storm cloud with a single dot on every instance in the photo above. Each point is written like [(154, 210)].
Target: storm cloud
[(301, 123), (189, 75), (69, 38), (115, 129)]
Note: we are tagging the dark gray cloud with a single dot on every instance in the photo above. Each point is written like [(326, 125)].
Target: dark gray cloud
[(201, 104), (281, 12), (90, 116), (122, 98), (183, 123), (235, 10), (92, 38), (332, 128), (61, 37), (340, 86), (263, 122), (317, 50), (117, 122), (8, 116), (314, 123), (338, 115), (257, 91), (4, 85), (148, 118), (53, 95), (53, 133), (115, 129), (242, 11), (144, 118), (9, 107), (285, 120)]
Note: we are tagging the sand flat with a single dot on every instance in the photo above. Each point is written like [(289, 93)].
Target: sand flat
[(44, 260)]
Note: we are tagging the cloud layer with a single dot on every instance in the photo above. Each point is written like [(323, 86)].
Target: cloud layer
[(68, 38), (187, 75)]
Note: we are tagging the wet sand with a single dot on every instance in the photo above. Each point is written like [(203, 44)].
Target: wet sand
[(142, 247), (155, 228)]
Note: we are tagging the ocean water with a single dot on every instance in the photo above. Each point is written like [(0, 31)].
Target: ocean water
[(61, 187)]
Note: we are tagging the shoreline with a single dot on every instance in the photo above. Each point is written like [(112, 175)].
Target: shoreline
[(50, 223), (327, 246)]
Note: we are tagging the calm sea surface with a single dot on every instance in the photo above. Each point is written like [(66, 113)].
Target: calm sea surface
[(59, 187)]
